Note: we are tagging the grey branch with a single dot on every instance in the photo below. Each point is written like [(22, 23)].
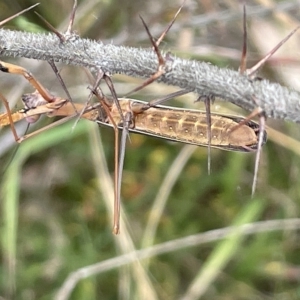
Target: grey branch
[(202, 78)]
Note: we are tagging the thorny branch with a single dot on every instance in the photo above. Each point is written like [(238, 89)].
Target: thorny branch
[(202, 78)]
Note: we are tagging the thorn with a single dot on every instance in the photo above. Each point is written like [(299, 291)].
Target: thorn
[(258, 111), (161, 61), (251, 72), (18, 14), (61, 37), (243, 64), (72, 18), (162, 36)]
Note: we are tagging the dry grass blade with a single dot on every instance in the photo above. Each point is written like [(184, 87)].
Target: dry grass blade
[(172, 246)]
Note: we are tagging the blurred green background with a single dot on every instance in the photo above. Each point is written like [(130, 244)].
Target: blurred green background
[(56, 191)]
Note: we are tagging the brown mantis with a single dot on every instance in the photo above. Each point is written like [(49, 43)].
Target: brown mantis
[(176, 124)]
